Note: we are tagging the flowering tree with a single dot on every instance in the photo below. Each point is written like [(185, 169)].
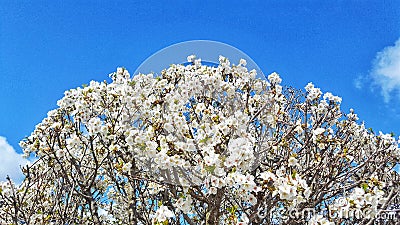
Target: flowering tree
[(202, 145)]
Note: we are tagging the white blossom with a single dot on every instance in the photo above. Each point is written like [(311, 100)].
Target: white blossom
[(199, 142)]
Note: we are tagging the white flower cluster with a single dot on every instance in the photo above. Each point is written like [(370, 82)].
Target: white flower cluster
[(362, 202), (290, 187), (240, 154), (6, 188), (313, 93), (274, 78), (319, 220), (162, 214)]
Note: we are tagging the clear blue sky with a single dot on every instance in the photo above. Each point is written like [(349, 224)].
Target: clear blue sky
[(47, 47)]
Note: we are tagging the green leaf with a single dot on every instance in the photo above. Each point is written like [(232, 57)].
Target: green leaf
[(294, 174), (364, 186), (210, 169), (232, 209), (204, 140), (370, 130)]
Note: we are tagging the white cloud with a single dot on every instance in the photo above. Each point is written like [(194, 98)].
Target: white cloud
[(10, 162), (386, 71), (359, 82)]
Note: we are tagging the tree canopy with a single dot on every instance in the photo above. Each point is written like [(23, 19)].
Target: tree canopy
[(203, 145)]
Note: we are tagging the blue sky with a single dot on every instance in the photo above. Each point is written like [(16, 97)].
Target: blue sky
[(348, 48)]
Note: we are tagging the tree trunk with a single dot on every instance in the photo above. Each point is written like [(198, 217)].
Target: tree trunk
[(213, 213)]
